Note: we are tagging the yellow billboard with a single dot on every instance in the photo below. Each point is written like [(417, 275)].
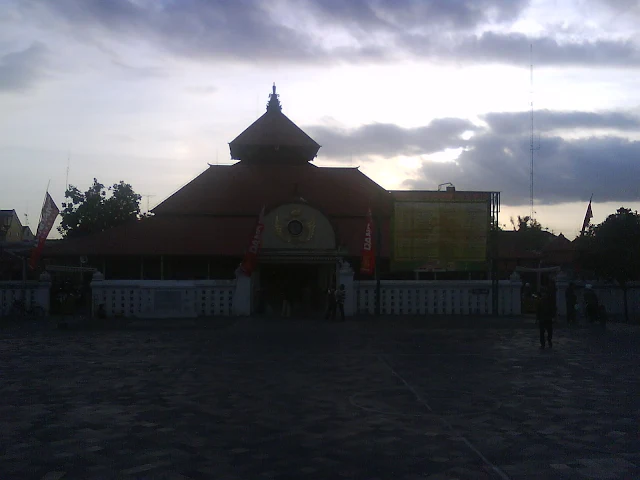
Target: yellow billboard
[(441, 235)]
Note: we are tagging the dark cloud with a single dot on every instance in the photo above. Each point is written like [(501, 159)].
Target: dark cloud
[(390, 140), (498, 156), (194, 28), (514, 48), (22, 69), (259, 31), (398, 15), (549, 120), (564, 170)]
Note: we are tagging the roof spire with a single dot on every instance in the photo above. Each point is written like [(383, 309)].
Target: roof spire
[(274, 103)]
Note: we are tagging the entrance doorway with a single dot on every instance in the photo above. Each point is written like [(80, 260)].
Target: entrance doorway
[(304, 285)]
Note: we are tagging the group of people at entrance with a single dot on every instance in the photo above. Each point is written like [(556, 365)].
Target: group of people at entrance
[(546, 310), (335, 302), (593, 310)]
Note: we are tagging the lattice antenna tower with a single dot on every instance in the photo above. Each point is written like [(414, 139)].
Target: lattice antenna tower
[(533, 144)]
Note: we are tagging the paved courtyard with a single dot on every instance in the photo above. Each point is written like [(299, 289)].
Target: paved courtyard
[(303, 399)]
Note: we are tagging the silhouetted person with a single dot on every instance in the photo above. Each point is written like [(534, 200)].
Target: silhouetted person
[(340, 298), (591, 303), (286, 300), (571, 299), (545, 311), (331, 303)]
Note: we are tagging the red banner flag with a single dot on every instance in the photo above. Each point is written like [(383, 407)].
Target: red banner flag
[(47, 217), (368, 264), (251, 256), (587, 218)]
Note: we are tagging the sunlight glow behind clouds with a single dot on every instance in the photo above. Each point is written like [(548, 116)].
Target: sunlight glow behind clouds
[(134, 101)]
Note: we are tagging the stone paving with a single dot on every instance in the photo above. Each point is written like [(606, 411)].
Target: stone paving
[(303, 399)]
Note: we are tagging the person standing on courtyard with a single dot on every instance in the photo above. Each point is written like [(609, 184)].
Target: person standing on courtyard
[(341, 295), (331, 303), (286, 300), (571, 300), (591, 303), (545, 312)]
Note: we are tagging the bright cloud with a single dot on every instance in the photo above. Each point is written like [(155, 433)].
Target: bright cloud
[(417, 92)]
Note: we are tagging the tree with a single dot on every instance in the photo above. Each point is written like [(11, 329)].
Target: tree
[(534, 236), (94, 211), (612, 249), (525, 223)]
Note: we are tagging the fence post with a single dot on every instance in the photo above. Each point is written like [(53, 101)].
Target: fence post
[(562, 282), (96, 279), (242, 294), (43, 293), (516, 293), (345, 277)]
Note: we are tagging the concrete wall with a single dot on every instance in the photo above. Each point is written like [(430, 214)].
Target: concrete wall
[(33, 292), (425, 297), (609, 295), (163, 298)]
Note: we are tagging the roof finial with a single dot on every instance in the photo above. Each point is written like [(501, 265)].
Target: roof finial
[(274, 103)]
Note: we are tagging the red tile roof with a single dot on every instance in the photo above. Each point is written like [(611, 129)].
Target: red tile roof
[(243, 189), (274, 138), (194, 235), (215, 213), (166, 235), (513, 245), (559, 244), (274, 128)]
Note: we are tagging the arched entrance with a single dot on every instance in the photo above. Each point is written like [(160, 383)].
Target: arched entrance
[(297, 262)]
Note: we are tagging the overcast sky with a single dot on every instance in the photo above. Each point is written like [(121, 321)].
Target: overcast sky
[(415, 92)]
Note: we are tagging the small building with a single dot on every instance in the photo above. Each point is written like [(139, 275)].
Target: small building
[(16, 241), (11, 228)]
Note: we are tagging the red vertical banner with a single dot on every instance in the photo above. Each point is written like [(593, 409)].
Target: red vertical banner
[(47, 217), (250, 260), (368, 263)]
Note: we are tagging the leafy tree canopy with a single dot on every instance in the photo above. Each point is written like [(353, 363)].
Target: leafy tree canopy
[(98, 208), (534, 236), (525, 223), (612, 249)]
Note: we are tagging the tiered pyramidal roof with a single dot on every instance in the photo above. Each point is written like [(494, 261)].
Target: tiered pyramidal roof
[(274, 139)]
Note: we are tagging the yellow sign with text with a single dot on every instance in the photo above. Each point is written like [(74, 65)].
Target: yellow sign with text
[(440, 235)]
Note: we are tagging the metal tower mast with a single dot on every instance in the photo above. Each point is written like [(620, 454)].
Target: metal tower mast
[(532, 146)]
